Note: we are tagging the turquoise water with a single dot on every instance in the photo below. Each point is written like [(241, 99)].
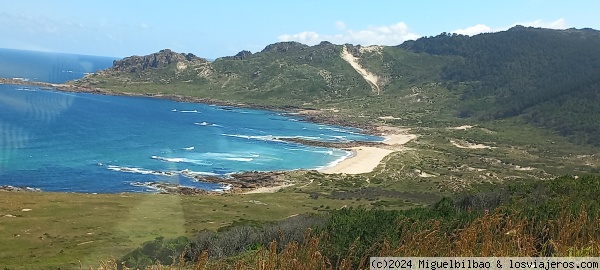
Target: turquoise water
[(78, 142)]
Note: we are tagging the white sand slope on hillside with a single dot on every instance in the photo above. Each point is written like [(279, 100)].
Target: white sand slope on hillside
[(371, 78), (467, 145)]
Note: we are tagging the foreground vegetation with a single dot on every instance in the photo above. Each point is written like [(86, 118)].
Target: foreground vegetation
[(529, 218), (476, 182)]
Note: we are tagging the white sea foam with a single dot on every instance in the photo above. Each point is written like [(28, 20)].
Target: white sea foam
[(343, 131), (223, 188), (335, 162), (180, 160), (185, 111), (256, 137), (26, 89), (243, 159), (139, 170), (147, 185), (169, 159), (206, 124), (341, 138), (311, 138), (274, 138), (190, 173), (150, 185)]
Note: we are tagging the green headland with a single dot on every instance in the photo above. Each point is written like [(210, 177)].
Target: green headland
[(504, 159)]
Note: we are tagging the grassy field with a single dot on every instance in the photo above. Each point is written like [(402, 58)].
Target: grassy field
[(62, 229)]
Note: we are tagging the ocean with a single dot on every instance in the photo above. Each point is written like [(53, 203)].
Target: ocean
[(49, 67), (79, 142)]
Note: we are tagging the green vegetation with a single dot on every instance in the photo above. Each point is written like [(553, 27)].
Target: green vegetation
[(525, 218), (62, 228), (432, 194), (548, 77), (544, 77)]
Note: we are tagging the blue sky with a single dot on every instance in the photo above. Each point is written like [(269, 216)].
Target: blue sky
[(218, 28)]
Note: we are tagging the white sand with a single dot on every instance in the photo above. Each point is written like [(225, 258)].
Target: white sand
[(268, 189), (470, 145), (371, 78), (399, 139), (365, 158), (424, 174), (465, 127)]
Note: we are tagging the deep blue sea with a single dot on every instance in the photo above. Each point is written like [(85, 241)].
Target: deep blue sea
[(49, 67), (78, 142)]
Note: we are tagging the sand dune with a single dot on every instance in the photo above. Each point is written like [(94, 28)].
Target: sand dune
[(371, 78)]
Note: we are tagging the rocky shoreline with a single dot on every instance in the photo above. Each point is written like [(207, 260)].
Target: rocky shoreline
[(19, 189), (236, 183), (307, 114)]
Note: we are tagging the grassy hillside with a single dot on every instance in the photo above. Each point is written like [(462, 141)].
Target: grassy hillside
[(454, 92), (524, 218), (550, 78), (544, 77), (292, 74)]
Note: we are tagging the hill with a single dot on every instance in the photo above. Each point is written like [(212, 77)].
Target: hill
[(445, 89), (549, 78)]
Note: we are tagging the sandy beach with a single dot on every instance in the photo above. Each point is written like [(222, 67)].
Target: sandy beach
[(365, 159)]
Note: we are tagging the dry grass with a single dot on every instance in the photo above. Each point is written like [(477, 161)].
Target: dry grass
[(496, 234)]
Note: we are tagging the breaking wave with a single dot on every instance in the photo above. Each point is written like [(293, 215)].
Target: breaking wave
[(139, 170), (180, 160), (206, 124)]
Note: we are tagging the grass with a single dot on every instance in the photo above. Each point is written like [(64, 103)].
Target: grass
[(496, 234), (64, 228)]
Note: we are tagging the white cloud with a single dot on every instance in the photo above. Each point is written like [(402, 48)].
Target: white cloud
[(482, 28), (374, 35), (339, 25), (473, 30), (558, 24)]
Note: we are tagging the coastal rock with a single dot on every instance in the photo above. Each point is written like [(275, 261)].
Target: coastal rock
[(19, 189), (161, 59), (246, 181)]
